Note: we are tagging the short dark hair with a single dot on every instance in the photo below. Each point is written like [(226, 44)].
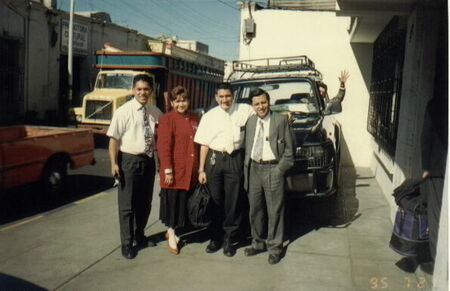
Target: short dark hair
[(179, 91), (224, 86), (143, 78), (258, 92), (323, 85)]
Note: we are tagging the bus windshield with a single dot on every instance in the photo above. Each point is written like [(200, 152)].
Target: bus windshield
[(114, 81)]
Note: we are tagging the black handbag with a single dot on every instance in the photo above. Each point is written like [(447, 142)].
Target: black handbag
[(197, 206)]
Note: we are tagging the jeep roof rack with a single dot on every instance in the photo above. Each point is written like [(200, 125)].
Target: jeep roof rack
[(300, 64)]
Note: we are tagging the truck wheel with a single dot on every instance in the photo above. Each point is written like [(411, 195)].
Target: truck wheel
[(54, 178)]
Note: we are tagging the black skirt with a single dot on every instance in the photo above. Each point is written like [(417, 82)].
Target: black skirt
[(172, 207)]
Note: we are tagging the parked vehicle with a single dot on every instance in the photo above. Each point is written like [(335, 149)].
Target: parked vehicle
[(292, 84), (167, 65), (42, 154)]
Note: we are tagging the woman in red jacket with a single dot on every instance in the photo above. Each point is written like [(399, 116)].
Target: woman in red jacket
[(178, 156)]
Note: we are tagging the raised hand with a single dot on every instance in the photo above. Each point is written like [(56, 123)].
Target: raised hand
[(344, 76)]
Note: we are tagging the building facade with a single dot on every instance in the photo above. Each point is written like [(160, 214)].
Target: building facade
[(33, 58)]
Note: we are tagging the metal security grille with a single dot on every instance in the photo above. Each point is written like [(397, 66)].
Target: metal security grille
[(385, 87), (98, 110)]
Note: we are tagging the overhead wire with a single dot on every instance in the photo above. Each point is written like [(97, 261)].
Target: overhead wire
[(226, 4), (187, 17)]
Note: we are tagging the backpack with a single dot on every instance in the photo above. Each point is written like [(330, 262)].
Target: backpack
[(197, 206)]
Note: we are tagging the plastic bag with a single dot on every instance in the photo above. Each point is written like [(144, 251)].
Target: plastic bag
[(197, 206)]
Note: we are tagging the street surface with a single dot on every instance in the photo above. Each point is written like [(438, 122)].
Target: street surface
[(74, 245)]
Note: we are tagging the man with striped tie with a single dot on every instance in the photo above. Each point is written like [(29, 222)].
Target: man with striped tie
[(131, 151), (268, 155)]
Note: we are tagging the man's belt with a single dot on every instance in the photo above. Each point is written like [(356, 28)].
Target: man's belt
[(142, 155), (261, 162), (226, 153)]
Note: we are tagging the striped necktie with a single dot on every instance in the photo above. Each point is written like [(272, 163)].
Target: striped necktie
[(147, 134)]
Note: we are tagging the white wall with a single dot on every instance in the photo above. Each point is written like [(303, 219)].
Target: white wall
[(324, 38)]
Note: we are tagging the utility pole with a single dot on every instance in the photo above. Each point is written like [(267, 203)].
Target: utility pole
[(70, 56)]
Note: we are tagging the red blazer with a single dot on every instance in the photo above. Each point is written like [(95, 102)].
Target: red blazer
[(177, 150)]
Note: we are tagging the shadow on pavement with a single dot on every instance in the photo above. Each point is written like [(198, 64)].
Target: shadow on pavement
[(21, 202), (337, 211), (8, 282), (101, 141)]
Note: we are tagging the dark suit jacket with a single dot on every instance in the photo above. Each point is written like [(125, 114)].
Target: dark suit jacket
[(281, 142)]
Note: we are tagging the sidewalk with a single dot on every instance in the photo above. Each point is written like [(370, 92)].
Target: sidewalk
[(77, 248)]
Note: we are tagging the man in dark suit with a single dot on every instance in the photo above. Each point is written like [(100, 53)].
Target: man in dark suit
[(268, 155), (434, 144)]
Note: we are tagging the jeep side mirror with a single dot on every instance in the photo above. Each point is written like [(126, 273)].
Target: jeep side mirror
[(333, 107)]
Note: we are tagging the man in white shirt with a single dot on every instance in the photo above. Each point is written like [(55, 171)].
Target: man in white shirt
[(221, 136), (268, 155), (131, 151)]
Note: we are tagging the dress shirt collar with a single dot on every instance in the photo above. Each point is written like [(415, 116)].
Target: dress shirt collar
[(265, 118), (136, 105), (230, 110)]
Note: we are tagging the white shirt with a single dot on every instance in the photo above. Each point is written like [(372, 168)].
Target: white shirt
[(267, 154), (127, 126), (223, 130)]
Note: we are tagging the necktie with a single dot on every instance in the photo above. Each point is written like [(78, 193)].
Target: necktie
[(229, 137), (147, 134), (258, 147)]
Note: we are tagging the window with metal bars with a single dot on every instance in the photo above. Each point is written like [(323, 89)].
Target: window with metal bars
[(385, 87)]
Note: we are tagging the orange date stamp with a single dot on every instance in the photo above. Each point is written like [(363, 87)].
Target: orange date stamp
[(382, 283)]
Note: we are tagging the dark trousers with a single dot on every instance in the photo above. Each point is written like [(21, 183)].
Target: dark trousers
[(266, 198), (135, 195), (433, 188), (224, 174)]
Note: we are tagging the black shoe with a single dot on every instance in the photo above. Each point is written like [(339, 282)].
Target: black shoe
[(213, 246), (407, 264), (427, 267), (128, 252), (274, 259), (249, 252), (228, 249), (145, 242)]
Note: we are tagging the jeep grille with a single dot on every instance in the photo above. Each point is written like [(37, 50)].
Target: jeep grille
[(318, 156)]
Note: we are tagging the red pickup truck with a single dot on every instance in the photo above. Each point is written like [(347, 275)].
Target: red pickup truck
[(37, 153)]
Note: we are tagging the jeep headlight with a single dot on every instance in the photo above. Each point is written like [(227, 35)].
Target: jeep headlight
[(308, 152), (79, 118), (316, 151)]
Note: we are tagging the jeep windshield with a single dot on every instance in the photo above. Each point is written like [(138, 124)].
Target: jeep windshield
[(114, 81), (293, 96)]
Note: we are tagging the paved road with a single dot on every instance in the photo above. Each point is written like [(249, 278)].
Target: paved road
[(74, 245)]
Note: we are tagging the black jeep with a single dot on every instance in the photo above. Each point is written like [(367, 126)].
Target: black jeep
[(292, 84)]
